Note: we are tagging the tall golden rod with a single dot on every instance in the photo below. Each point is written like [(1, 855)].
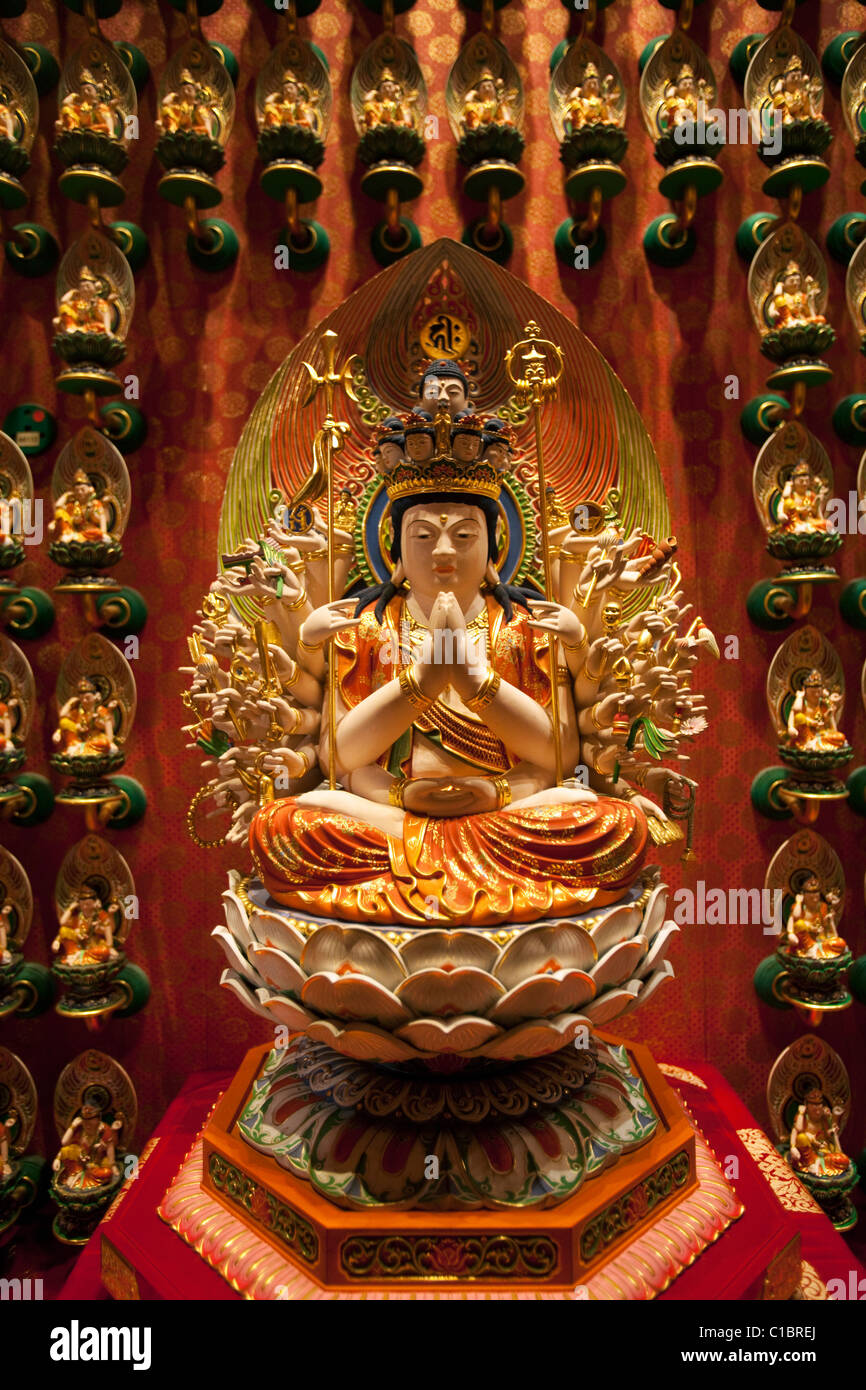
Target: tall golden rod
[(328, 441), (535, 381)]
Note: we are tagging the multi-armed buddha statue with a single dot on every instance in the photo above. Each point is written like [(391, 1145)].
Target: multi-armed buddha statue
[(441, 751)]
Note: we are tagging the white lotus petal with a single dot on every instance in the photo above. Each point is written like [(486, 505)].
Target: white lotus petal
[(654, 912), (537, 1038), (277, 969), (270, 929), (232, 982), (543, 949), (620, 962), (232, 952), (444, 993), (236, 917), (284, 1010), (334, 949), (542, 996), (447, 1035), (648, 989), (617, 925), (361, 1040), (354, 997), (658, 948), (611, 1004), (436, 948)]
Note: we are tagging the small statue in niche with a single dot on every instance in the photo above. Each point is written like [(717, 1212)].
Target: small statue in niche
[(11, 123), (801, 502), (291, 105), (793, 300), (86, 933), (88, 1151), (190, 109), (86, 307), (811, 932), (86, 726), (797, 98), (815, 1145), (6, 931), (386, 104), (91, 108), (7, 1130), (486, 103), (8, 722), (811, 724), (589, 103), (682, 96), (79, 514)]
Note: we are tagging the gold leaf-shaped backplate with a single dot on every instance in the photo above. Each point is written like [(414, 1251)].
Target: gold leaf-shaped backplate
[(387, 51), (94, 863), (805, 650), (855, 287), (18, 1101), (785, 448), (479, 53), (804, 854), (100, 63), (17, 683), (766, 70), (95, 253), (96, 1079), (215, 88), (106, 470), (17, 895), (19, 97), (853, 94), (298, 57), (99, 661), (660, 75), (807, 1063), (570, 72), (16, 480), (786, 243)]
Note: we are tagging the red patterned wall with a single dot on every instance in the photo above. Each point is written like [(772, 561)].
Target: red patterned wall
[(204, 348)]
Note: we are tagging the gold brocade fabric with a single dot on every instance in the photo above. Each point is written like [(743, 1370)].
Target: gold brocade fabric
[(512, 865)]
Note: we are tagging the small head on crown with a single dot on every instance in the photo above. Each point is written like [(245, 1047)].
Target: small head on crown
[(443, 453), (444, 381), (590, 71)]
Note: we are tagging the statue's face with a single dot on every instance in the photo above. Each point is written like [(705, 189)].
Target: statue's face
[(792, 282), (88, 698), (82, 491), (87, 289), (801, 482), (388, 91), (611, 613), (486, 90), (390, 454), (590, 87), (419, 447), (187, 91), (813, 694), (794, 81), (497, 454), (449, 389), (290, 90), (444, 546), (88, 91), (466, 447), (812, 898), (88, 904), (686, 85)]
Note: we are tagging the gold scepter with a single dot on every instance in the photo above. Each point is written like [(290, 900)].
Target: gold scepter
[(535, 381), (329, 440)]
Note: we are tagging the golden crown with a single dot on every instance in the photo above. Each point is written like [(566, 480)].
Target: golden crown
[(443, 472)]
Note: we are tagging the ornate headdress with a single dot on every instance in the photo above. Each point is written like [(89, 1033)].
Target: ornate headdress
[(443, 473), (685, 71), (590, 71), (794, 64), (792, 268), (812, 884), (814, 678)]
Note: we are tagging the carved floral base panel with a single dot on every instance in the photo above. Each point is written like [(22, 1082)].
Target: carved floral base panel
[(641, 1271), (527, 1135)]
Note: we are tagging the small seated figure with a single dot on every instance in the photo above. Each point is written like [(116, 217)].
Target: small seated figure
[(8, 511), (486, 103), (86, 727), (6, 912), (11, 122), (90, 108), (88, 1151), (8, 721), (79, 514), (386, 104), (291, 105), (7, 1131), (793, 95), (815, 1144), (812, 720), (793, 300), (799, 510), (681, 98), (188, 109), (85, 308), (590, 102), (811, 932), (86, 934)]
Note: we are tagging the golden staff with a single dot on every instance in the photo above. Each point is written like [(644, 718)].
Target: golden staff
[(535, 381), (329, 440)]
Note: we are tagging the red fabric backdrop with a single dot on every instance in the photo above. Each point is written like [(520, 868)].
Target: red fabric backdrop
[(204, 348)]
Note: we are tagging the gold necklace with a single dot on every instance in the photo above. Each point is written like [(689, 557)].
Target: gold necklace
[(477, 624)]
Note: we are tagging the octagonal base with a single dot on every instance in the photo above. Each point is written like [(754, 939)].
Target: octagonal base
[(492, 1249)]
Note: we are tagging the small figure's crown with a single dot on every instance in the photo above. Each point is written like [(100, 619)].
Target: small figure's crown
[(813, 678), (812, 884), (590, 71), (685, 71), (443, 472)]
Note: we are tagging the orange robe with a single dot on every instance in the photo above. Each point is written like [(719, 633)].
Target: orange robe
[(512, 865)]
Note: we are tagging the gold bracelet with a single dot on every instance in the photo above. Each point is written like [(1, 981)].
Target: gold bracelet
[(563, 675), (486, 691), (595, 675), (594, 717), (298, 603), (286, 685), (578, 647), (412, 690), (310, 647), (302, 753), (396, 791), (503, 791), (343, 550)]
